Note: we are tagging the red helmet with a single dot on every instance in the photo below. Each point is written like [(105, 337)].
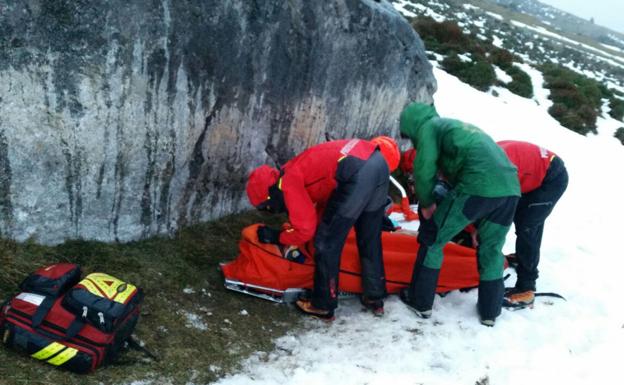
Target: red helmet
[(259, 182), (390, 151)]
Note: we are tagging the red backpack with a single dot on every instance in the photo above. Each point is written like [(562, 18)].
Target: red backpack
[(74, 324)]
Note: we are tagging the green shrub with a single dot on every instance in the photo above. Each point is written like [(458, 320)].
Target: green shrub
[(446, 33), (502, 58), (577, 99), (478, 73), (617, 108), (448, 39), (619, 134), (579, 121), (520, 84)]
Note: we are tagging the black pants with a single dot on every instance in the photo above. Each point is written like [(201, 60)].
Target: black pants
[(533, 209), (358, 201)]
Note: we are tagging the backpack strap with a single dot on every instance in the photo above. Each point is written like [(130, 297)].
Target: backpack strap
[(42, 311)]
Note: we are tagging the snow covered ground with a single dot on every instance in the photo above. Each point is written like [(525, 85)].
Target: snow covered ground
[(580, 341)]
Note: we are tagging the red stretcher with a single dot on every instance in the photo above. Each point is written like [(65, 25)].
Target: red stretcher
[(262, 271)]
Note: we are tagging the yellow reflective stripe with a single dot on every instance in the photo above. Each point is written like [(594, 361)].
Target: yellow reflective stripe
[(63, 357), (279, 183), (113, 288), (90, 286), (48, 351), (107, 284), (551, 158), (341, 158), (123, 296)]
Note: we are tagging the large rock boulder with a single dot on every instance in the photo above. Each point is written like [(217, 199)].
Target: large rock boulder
[(124, 119)]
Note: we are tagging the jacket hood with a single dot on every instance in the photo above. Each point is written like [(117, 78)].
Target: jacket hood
[(414, 116)]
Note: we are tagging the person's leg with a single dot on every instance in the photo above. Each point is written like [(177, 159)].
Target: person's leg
[(492, 229), (329, 240), (433, 235), (368, 236), (347, 202), (374, 174), (532, 211)]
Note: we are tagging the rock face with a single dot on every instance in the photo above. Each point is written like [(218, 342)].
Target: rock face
[(124, 119)]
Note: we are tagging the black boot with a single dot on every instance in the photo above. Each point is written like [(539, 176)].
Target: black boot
[(490, 300), (420, 294)]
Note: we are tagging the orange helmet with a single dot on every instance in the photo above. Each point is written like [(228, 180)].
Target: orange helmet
[(259, 182), (390, 151)]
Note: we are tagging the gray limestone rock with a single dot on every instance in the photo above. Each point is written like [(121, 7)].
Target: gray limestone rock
[(122, 119)]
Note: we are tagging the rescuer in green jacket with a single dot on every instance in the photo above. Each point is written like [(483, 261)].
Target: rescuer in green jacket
[(485, 191)]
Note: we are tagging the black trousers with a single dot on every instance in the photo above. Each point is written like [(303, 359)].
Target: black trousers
[(531, 213), (359, 201)]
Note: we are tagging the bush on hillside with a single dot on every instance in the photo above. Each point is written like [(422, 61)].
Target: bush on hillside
[(478, 73), (447, 38), (502, 58), (521, 82), (577, 99), (576, 120), (617, 108), (443, 37), (619, 134)]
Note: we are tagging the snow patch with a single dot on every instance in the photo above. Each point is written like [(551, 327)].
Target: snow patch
[(495, 15), (470, 7), (193, 320), (502, 75)]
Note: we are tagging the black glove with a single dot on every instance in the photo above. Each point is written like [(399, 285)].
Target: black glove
[(387, 224), (441, 190), (268, 235)]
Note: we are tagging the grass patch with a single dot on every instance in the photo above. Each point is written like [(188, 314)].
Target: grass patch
[(163, 267)]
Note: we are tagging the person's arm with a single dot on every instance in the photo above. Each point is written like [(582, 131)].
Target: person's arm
[(426, 165), (301, 211)]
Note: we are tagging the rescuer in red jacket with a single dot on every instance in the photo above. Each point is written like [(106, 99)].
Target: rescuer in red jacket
[(543, 180), (326, 190)]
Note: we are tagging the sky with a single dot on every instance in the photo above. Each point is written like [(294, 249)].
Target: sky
[(607, 13)]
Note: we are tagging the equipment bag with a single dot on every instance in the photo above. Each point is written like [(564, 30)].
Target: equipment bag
[(62, 338), (102, 300)]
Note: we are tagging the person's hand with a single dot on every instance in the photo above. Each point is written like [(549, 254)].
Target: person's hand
[(427, 212), (268, 235)]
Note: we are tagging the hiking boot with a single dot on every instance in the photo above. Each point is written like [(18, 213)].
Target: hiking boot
[(374, 305), (306, 307), (516, 299), (404, 296)]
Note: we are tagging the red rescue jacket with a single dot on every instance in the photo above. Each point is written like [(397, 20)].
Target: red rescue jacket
[(308, 181), (531, 160)]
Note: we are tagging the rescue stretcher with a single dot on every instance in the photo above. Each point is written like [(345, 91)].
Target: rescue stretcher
[(263, 271)]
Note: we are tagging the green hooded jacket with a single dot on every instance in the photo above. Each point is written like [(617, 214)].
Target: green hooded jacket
[(469, 159)]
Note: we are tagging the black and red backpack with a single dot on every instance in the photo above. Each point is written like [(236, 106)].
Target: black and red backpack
[(70, 323)]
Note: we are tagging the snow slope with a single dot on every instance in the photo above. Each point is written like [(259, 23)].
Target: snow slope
[(580, 341)]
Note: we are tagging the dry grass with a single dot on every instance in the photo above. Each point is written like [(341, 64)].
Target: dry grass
[(163, 267)]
